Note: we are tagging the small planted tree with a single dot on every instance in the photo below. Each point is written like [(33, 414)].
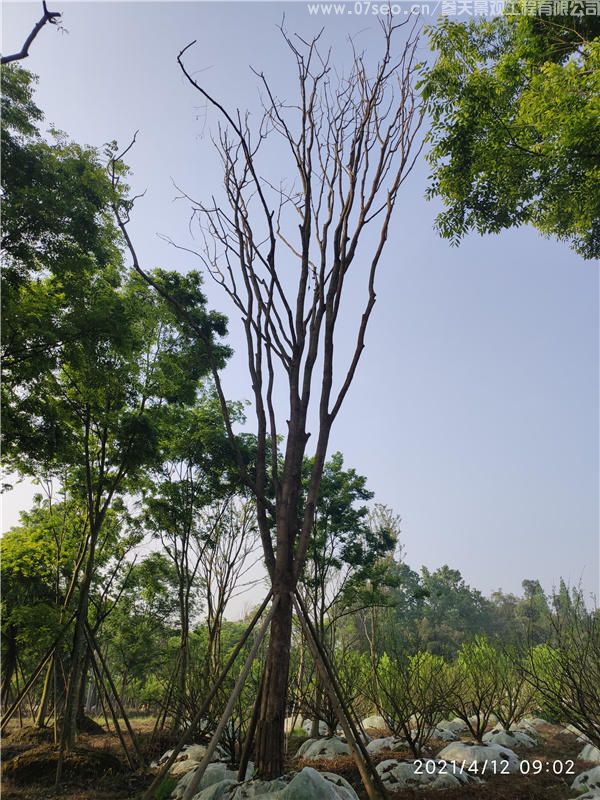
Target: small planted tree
[(518, 696), (412, 695), (477, 689), (566, 671)]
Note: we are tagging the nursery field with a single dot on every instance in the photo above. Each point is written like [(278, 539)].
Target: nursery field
[(301, 504), (557, 749)]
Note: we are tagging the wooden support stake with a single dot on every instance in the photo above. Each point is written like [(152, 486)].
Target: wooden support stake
[(247, 748), (368, 773), (207, 701), (162, 715), (94, 646), (103, 688), (357, 729), (34, 676), (201, 768)]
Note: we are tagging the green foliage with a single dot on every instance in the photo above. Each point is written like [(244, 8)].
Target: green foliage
[(165, 788), (411, 694), (515, 123), (141, 623), (348, 558), (477, 688), (565, 671), (518, 697)]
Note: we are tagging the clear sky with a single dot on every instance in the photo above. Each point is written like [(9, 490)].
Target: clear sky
[(474, 413)]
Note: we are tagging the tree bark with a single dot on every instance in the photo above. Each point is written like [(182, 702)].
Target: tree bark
[(270, 728), (9, 664), (183, 660)]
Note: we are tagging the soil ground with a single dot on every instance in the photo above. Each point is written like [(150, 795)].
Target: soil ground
[(99, 770)]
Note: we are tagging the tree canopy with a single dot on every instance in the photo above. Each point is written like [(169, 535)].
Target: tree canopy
[(515, 124)]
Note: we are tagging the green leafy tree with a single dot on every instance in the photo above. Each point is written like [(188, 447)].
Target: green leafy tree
[(515, 125), (137, 633), (411, 693), (477, 689), (198, 466), (518, 696), (89, 400), (41, 558), (346, 568), (453, 612), (566, 671)]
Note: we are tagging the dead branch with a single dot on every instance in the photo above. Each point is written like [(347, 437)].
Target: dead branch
[(50, 17)]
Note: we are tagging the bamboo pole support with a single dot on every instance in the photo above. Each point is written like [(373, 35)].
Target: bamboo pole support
[(369, 775), (103, 688), (201, 768), (245, 756), (93, 644), (34, 676), (207, 701)]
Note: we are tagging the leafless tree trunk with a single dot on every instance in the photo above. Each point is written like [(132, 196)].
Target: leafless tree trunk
[(283, 248)]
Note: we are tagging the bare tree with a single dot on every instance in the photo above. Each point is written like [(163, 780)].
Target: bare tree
[(225, 568), (283, 251)]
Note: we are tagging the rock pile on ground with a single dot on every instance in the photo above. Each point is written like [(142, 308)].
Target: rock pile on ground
[(589, 753), (305, 785), (492, 757), (386, 743), (316, 749), (307, 727), (589, 783), (422, 774), (514, 739), (188, 759)]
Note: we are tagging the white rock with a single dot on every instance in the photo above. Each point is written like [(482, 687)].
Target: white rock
[(312, 785), (478, 754), (445, 734), (588, 781), (512, 739), (315, 749), (214, 774), (256, 788), (581, 737), (455, 725), (304, 747), (190, 753), (307, 726), (535, 722), (422, 773), (387, 743), (590, 753), (341, 786), (528, 728), (375, 722), (305, 785)]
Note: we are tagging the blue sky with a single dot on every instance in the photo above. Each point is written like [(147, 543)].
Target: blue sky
[(474, 413)]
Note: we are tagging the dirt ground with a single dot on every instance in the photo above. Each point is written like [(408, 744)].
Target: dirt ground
[(99, 770)]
